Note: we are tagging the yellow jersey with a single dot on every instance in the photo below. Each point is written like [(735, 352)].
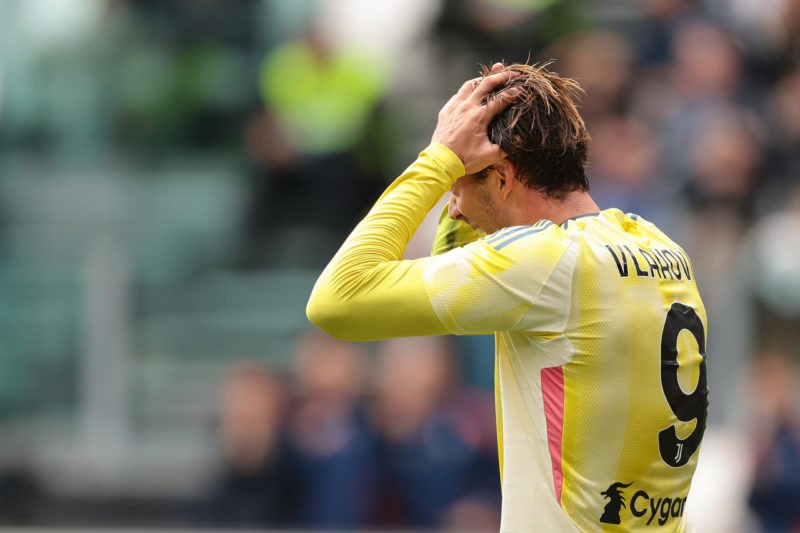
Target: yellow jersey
[(600, 373)]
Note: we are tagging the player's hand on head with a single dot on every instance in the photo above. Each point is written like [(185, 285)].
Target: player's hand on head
[(464, 120)]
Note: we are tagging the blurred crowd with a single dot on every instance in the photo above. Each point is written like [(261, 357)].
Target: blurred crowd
[(348, 441), (694, 111)]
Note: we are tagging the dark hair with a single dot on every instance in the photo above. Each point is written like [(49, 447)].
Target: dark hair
[(542, 132)]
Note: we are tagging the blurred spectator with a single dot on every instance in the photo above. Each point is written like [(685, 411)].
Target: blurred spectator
[(623, 173), (321, 96), (724, 186), (651, 29), (771, 29), (437, 439), (776, 485), (704, 75), (330, 443), (603, 63), (783, 115), (705, 61), (250, 489), (319, 104), (725, 163)]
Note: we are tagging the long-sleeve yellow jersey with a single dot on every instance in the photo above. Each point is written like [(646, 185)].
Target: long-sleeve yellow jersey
[(600, 369)]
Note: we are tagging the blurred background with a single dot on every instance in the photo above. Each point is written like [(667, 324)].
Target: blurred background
[(175, 173)]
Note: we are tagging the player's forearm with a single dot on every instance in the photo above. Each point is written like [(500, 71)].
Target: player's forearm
[(357, 295)]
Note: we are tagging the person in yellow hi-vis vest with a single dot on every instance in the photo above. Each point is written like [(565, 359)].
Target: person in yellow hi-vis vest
[(600, 332)]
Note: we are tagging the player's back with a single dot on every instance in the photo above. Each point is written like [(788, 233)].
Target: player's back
[(620, 378)]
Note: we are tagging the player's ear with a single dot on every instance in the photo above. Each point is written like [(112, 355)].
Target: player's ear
[(507, 177)]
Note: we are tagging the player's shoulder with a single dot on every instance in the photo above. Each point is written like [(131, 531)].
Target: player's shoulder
[(511, 237), (649, 229), (545, 234), (541, 243), (612, 221), (542, 232)]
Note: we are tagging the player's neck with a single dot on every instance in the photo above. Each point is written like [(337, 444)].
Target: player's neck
[(576, 203)]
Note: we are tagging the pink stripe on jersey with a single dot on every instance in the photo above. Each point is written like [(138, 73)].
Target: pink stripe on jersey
[(553, 394)]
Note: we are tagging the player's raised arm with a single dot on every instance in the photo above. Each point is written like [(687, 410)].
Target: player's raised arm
[(367, 292)]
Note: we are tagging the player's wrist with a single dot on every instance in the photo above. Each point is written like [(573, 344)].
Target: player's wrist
[(446, 159)]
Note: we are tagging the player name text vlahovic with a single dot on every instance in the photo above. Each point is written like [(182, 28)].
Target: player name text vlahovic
[(664, 263)]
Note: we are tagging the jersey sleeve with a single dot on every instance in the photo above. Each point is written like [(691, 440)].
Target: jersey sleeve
[(367, 292)]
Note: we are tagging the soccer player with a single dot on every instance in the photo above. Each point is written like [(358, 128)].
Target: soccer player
[(600, 331)]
